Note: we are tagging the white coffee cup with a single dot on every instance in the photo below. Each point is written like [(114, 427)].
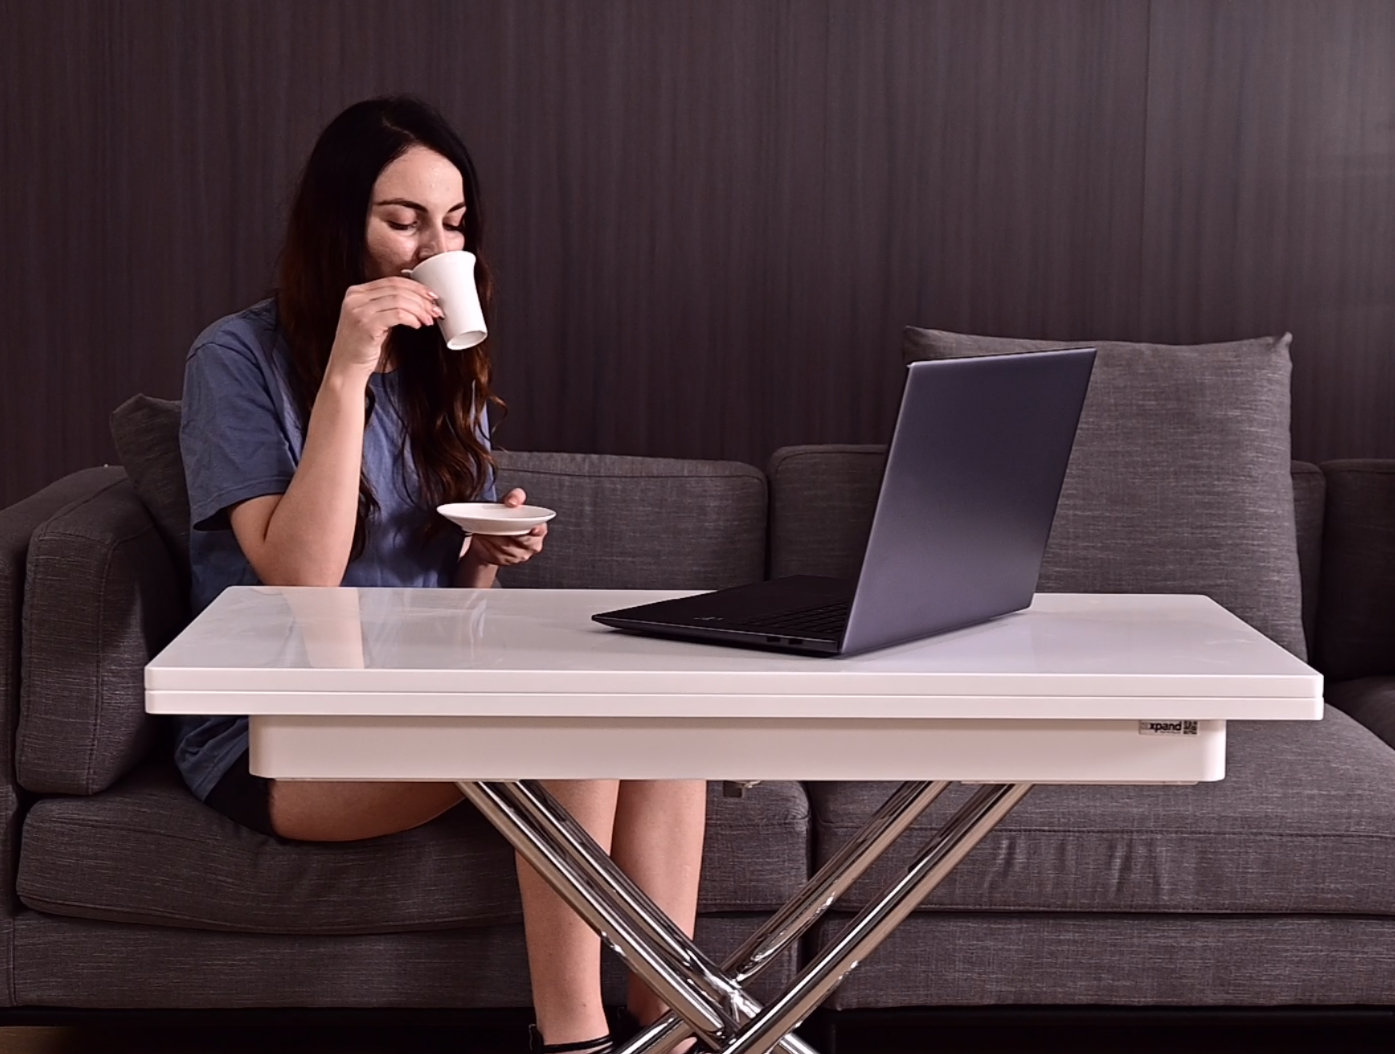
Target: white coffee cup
[(451, 276)]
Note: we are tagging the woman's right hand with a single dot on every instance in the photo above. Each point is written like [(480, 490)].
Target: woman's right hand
[(368, 314)]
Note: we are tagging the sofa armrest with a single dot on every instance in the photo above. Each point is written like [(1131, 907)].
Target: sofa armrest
[(17, 524), (1356, 615), (102, 595)]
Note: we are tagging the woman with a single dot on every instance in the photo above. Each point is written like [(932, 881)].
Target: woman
[(320, 429)]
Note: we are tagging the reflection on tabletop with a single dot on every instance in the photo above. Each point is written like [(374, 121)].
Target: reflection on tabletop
[(354, 629)]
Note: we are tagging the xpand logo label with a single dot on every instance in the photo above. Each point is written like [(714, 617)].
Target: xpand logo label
[(1167, 728)]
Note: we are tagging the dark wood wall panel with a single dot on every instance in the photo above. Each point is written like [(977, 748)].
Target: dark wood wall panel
[(749, 212), (709, 220), (1271, 199)]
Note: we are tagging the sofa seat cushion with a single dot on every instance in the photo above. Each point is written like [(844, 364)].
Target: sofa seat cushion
[(1304, 822), (78, 963), (147, 851), (1179, 481), (1095, 961), (1370, 700)]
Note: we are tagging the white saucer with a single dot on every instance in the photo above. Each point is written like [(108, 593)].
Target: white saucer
[(488, 517)]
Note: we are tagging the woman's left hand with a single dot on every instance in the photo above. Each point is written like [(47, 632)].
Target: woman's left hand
[(507, 550)]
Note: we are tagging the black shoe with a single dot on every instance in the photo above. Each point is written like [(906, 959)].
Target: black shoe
[(599, 1045)]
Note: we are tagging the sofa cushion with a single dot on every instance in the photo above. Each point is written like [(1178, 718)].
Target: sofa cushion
[(822, 499), (147, 851), (1357, 635), (1301, 824), (620, 522), (77, 963), (640, 522), (1238, 962), (1370, 700), (17, 524), (101, 597), (1179, 481), (1309, 507), (146, 433)]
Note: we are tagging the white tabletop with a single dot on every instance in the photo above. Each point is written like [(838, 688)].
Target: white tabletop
[(437, 651), (502, 684)]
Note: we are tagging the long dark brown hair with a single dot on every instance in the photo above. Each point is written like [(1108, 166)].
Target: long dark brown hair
[(444, 393)]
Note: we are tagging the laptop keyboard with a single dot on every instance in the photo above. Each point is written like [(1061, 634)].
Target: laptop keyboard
[(827, 620)]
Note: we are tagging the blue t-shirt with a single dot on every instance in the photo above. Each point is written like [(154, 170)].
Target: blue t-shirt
[(241, 437)]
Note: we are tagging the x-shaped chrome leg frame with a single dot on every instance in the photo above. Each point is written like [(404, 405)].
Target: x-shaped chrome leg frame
[(708, 1000)]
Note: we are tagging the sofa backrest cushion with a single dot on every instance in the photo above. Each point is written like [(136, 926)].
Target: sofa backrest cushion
[(1179, 481), (623, 522), (145, 431), (1357, 629), (627, 522), (101, 596), (821, 502), (1309, 502), (822, 498)]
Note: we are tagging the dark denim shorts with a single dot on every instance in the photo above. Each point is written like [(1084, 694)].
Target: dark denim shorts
[(243, 797)]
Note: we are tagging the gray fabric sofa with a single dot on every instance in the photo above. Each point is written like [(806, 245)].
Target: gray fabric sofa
[(1272, 887)]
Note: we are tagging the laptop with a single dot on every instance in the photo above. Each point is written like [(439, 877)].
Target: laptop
[(973, 474)]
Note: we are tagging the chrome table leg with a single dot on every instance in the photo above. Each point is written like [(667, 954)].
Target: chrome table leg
[(875, 922), (708, 1021), (901, 809), (709, 1001), (650, 921)]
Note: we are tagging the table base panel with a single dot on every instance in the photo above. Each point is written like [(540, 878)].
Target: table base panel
[(449, 749)]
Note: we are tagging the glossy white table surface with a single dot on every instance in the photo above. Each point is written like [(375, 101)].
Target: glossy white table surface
[(504, 684)]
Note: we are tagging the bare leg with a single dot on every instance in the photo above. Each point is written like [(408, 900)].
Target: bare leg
[(328, 811), (564, 954), (659, 828)]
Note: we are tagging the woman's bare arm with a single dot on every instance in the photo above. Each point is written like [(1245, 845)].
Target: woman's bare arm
[(303, 537)]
